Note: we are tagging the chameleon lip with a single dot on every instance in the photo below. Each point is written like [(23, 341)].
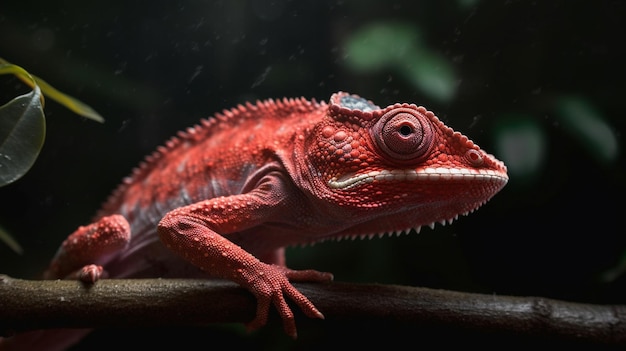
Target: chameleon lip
[(424, 174)]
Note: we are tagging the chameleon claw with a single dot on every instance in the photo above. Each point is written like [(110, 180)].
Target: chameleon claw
[(91, 274)]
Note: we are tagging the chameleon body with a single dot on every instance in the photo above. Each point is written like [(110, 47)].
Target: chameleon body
[(224, 198)]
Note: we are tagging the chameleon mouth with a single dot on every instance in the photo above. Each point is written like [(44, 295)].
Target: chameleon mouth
[(425, 174)]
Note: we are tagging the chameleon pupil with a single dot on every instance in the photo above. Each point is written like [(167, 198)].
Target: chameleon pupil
[(406, 130)]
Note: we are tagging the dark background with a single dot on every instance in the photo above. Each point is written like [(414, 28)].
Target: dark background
[(538, 83)]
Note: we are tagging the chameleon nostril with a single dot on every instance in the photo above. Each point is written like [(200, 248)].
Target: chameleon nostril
[(474, 157)]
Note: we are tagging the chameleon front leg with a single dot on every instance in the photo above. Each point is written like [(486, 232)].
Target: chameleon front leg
[(80, 253), (194, 232)]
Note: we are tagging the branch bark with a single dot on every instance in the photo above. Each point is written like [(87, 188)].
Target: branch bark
[(31, 304)]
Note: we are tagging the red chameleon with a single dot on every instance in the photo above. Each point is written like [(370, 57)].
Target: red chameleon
[(224, 198)]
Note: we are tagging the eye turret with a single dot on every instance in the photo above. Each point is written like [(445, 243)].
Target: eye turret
[(403, 134)]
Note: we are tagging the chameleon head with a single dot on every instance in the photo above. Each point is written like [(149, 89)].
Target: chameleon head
[(400, 163)]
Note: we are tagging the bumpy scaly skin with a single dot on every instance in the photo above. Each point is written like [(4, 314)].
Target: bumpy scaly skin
[(228, 195)]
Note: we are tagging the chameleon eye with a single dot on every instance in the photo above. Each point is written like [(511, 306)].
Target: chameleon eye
[(403, 134)]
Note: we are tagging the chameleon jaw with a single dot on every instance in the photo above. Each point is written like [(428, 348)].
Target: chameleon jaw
[(390, 233), (425, 174)]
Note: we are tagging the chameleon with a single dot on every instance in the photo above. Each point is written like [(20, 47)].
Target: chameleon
[(224, 198)]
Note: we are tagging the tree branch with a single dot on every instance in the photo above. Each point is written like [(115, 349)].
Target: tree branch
[(30, 304)]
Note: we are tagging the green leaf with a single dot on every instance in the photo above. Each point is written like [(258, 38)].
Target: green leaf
[(22, 133), (23, 129), (48, 90), (71, 103), (22, 74), (10, 242)]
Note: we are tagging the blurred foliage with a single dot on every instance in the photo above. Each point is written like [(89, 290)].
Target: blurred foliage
[(10, 242), (521, 142), (397, 46), (467, 3)]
